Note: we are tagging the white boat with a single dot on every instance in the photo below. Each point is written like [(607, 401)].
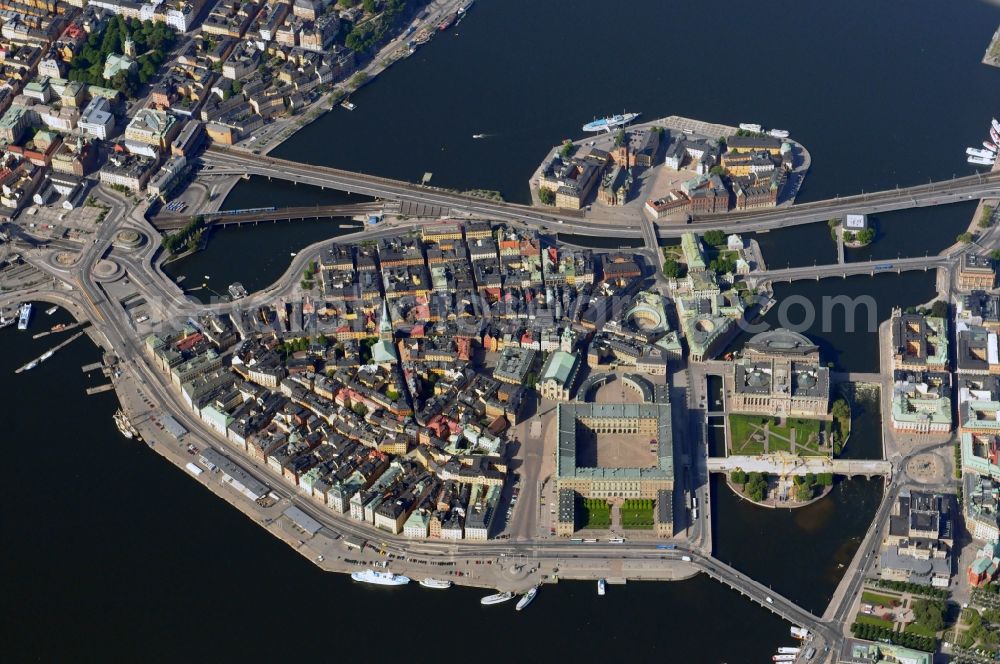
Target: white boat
[(778, 133), (30, 365), (436, 584), (51, 310), (800, 632), (750, 126), (982, 161), (380, 578), (788, 651), (996, 125), (46, 355), (601, 587), (995, 135), (989, 146), (497, 598), (976, 152), (527, 599), (783, 658), (24, 316), (479, 135), (348, 105)]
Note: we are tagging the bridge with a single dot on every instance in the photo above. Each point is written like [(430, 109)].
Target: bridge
[(849, 269), (235, 161), (170, 222), (856, 377), (788, 464)]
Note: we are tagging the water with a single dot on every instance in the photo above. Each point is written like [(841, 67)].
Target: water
[(914, 232)]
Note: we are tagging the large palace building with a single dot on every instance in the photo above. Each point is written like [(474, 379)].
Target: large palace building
[(780, 374)]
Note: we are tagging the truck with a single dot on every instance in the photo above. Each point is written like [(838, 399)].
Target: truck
[(686, 559)]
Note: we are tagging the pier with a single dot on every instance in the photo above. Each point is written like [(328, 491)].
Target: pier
[(100, 388), (49, 353), (65, 328)]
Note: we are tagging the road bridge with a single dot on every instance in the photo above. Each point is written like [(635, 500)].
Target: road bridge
[(168, 222), (870, 268), (232, 160), (789, 464)]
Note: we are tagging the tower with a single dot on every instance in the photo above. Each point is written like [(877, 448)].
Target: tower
[(128, 47), (385, 324)]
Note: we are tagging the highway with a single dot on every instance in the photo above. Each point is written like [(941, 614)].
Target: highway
[(169, 222)]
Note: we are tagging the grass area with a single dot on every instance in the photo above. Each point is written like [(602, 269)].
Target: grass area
[(919, 630), (637, 514), (743, 428), (866, 619), (594, 513), (876, 599)]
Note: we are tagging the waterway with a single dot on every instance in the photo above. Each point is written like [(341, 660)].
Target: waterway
[(110, 550)]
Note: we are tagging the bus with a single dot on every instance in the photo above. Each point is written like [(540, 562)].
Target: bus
[(590, 541), (617, 540), (666, 547)]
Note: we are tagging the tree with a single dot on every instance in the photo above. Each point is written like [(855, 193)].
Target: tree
[(833, 223), (939, 309), (995, 254), (359, 409), (547, 196), (673, 270), (841, 409), (866, 236), (369, 6), (359, 79), (929, 613), (964, 238), (620, 138), (717, 170), (738, 477), (567, 149), (714, 238), (722, 265), (986, 220)]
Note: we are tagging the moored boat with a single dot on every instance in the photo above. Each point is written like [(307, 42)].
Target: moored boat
[(778, 133), (800, 632), (995, 135), (787, 650), (976, 152), (996, 125), (436, 584), (982, 161), (24, 316), (783, 658), (989, 146), (527, 599), (608, 123), (51, 310), (497, 598), (380, 578), (751, 126), (601, 587)]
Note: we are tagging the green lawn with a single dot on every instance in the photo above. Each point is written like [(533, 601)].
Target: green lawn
[(743, 427), (594, 513), (637, 514), (866, 619), (919, 630), (879, 600)]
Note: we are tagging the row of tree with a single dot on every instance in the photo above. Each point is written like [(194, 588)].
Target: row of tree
[(907, 640), (186, 238)]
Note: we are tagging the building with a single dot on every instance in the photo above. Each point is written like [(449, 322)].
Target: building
[(920, 343), (168, 176), (129, 171), (514, 364), (921, 402), (919, 539), (780, 374), (558, 375), (152, 127), (384, 351), (976, 272), (981, 503)]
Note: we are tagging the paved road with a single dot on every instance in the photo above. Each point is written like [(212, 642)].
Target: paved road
[(848, 269), (787, 464)]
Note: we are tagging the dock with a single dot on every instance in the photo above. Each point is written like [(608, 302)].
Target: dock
[(49, 353), (91, 367), (100, 388), (66, 328)]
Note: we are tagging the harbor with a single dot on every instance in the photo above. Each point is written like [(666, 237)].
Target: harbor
[(49, 353)]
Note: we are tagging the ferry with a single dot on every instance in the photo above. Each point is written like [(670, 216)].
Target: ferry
[(606, 124), (380, 578), (778, 133), (976, 152), (750, 126), (527, 599), (498, 598), (788, 651), (435, 584), (982, 161), (350, 106), (51, 310), (800, 632), (24, 316), (601, 587)]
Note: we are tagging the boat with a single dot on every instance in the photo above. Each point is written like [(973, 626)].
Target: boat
[(606, 124), (976, 152), (526, 599), (350, 106), (46, 355), (778, 133), (237, 291), (989, 146), (380, 578), (800, 632), (787, 650), (601, 587), (436, 584), (479, 135), (995, 135), (448, 21), (51, 310), (996, 125), (125, 427), (24, 316), (497, 598), (783, 658), (30, 365), (982, 161), (750, 126)]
